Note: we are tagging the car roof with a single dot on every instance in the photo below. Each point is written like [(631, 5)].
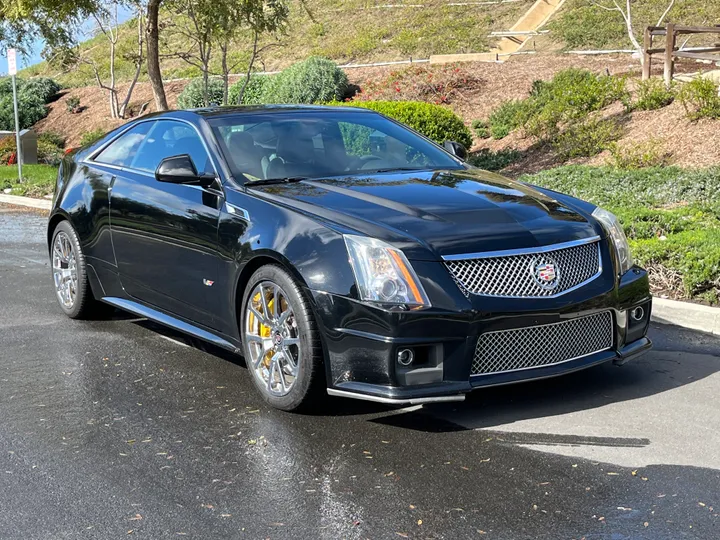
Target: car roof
[(254, 109)]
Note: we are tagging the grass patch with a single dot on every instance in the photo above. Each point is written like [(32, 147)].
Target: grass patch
[(671, 216), (38, 180)]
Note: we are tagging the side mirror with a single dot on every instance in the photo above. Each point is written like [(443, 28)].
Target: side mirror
[(181, 170), (456, 149)]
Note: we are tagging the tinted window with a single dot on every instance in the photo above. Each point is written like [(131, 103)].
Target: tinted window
[(322, 143), (122, 151), (170, 138)]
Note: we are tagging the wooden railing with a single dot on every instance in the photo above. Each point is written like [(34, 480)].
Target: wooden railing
[(670, 52)]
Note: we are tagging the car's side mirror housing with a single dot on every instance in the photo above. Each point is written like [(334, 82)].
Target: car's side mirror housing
[(456, 149), (181, 170)]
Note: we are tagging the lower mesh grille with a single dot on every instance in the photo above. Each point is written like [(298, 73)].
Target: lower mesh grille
[(543, 345)]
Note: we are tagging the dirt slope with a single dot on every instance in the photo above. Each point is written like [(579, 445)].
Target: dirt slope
[(690, 143)]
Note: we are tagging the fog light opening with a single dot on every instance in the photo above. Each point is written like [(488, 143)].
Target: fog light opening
[(405, 357), (638, 313)]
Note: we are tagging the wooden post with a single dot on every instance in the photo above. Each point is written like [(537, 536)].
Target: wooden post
[(647, 58), (669, 49)]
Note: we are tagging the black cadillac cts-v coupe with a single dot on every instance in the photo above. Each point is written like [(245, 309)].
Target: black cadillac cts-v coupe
[(337, 249)]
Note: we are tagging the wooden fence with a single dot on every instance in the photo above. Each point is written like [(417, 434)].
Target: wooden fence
[(670, 51)]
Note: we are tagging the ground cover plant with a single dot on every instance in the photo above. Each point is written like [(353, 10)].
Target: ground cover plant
[(671, 217)]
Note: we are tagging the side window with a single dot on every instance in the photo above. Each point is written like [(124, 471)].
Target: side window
[(171, 138), (123, 149)]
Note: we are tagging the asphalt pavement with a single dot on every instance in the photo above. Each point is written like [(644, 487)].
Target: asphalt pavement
[(120, 428)]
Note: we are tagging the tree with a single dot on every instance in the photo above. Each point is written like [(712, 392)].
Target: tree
[(54, 21), (108, 25), (209, 25), (152, 37), (626, 14), (260, 18)]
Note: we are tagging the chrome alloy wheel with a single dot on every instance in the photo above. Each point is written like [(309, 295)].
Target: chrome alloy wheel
[(65, 270), (273, 338)]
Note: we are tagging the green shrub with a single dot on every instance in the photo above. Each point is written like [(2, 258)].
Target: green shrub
[(253, 94), (481, 129), (73, 104), (494, 161), (639, 155), (700, 98), (569, 98), (506, 118), (652, 94), (31, 109), (193, 95), (566, 99), (52, 137), (43, 87), (315, 80), (48, 153), (433, 121), (92, 136), (586, 139)]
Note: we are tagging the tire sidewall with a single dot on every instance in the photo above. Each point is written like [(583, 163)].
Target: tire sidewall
[(82, 291), (301, 386)]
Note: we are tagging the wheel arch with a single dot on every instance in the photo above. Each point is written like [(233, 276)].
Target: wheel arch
[(259, 260), (53, 222)]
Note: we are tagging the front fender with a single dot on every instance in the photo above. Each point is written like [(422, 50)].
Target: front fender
[(253, 232)]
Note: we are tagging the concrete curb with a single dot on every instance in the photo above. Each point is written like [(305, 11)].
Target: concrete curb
[(687, 315), (42, 204)]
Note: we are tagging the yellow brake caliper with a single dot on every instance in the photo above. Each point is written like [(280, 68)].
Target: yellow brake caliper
[(263, 330)]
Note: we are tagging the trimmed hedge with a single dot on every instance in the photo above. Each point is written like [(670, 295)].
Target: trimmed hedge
[(315, 80), (193, 95), (253, 94), (433, 121)]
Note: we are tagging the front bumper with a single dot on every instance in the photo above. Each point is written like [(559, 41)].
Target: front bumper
[(362, 342)]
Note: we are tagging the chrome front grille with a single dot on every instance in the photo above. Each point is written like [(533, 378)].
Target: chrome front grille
[(543, 345), (513, 273)]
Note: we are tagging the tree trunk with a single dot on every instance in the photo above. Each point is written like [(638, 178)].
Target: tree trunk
[(138, 68), (225, 71), (153, 55), (241, 94)]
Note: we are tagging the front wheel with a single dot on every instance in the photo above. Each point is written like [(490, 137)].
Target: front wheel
[(280, 338)]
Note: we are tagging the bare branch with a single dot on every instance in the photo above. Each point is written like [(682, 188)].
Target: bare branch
[(662, 17)]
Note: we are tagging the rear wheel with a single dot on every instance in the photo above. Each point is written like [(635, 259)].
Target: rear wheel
[(280, 339), (72, 288)]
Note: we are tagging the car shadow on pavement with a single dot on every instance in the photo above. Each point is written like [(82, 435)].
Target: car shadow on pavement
[(680, 357), (684, 357)]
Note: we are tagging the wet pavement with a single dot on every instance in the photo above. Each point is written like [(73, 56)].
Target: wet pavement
[(120, 427)]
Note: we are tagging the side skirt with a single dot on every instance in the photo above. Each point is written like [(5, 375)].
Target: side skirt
[(170, 321)]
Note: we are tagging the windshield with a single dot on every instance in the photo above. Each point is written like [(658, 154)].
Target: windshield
[(322, 143)]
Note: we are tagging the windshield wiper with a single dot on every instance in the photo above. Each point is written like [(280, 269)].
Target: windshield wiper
[(393, 169), (286, 180)]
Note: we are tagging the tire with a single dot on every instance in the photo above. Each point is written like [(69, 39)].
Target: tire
[(299, 340), (83, 305)]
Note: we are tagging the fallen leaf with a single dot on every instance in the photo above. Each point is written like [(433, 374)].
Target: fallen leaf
[(137, 517), (646, 524), (419, 521), (412, 507), (634, 473), (613, 474), (402, 534)]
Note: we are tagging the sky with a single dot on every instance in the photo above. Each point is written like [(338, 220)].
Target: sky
[(36, 47)]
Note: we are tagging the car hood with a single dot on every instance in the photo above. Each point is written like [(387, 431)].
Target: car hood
[(430, 214)]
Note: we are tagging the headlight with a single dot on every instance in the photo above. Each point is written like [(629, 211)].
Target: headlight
[(383, 274), (617, 235)]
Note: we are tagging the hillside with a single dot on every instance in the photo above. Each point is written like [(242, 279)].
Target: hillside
[(691, 144), (348, 31), (360, 31)]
